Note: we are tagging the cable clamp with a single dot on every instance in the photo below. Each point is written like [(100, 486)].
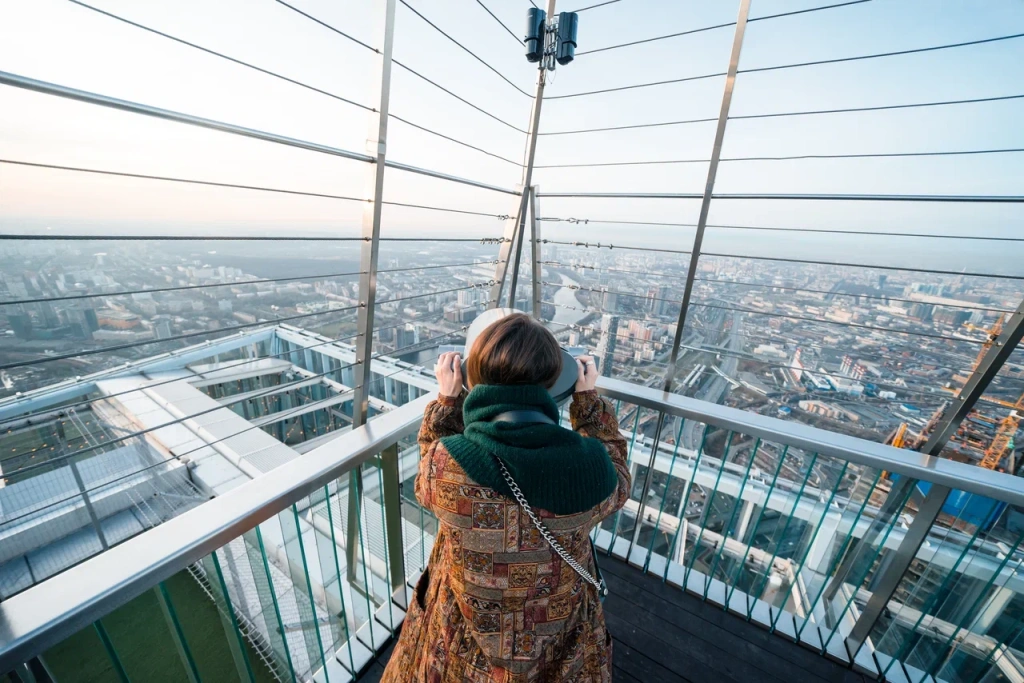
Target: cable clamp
[(583, 221)]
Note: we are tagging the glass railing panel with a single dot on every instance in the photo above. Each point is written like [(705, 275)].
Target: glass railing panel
[(637, 425), (959, 605)]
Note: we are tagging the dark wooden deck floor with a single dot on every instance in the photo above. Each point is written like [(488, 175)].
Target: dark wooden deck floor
[(663, 635)]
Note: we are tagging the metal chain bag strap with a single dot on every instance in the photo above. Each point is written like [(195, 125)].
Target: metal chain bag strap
[(598, 583)]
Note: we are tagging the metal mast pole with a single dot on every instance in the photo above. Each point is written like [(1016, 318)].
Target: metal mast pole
[(514, 226)]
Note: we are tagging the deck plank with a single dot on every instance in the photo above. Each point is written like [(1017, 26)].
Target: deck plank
[(663, 635)]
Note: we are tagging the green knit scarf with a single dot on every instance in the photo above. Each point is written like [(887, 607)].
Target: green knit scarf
[(557, 469)]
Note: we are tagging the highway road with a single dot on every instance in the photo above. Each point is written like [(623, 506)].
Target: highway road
[(716, 388)]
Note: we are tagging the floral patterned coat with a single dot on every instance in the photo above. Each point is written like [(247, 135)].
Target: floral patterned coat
[(497, 604)]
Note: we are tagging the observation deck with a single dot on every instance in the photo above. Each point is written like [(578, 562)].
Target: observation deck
[(788, 230)]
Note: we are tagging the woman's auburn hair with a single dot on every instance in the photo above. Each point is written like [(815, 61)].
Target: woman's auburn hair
[(515, 350)]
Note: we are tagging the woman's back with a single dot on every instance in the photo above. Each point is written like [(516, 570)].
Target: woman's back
[(497, 603), (498, 600)]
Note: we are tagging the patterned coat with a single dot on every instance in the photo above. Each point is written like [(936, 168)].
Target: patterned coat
[(497, 604)]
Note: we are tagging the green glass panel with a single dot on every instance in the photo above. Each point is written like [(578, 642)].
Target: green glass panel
[(86, 656), (740, 576), (270, 609)]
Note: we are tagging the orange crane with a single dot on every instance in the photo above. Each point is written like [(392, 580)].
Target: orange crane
[(1002, 442)]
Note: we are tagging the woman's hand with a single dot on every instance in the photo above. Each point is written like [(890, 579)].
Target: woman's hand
[(586, 373), (449, 374)]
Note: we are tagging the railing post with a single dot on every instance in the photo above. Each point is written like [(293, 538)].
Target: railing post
[(392, 496), (516, 224), (931, 506), (535, 251), (709, 186), (705, 207), (377, 145)]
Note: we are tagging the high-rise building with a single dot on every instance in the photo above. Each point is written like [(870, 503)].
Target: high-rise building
[(606, 346)]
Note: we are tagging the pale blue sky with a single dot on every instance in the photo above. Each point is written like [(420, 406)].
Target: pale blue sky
[(57, 41)]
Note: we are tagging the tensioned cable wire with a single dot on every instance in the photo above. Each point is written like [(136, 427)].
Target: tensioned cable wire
[(710, 349), (869, 232), (47, 237), (458, 142), (877, 55), (502, 23), (795, 157), (635, 86), (150, 342), (600, 4), (865, 266), (286, 78), (766, 285), (237, 186), (458, 97), (831, 231), (239, 363), (156, 290), (464, 48), (599, 245), (715, 350), (328, 26), (811, 112), (839, 323), (794, 65), (221, 55), (477, 285), (585, 221), (715, 26), (782, 259)]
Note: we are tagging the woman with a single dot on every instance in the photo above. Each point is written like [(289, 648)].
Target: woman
[(497, 604)]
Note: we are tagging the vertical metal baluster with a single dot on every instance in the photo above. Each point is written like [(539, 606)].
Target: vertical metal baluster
[(273, 599), (708, 505), (629, 456), (388, 476), (642, 502), (727, 529), (309, 592), (685, 501), (177, 634), (341, 588), (664, 498), (115, 661), (235, 642), (841, 552), (778, 541), (753, 532), (388, 552), (814, 536)]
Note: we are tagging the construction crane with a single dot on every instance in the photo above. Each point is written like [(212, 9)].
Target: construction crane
[(1002, 443)]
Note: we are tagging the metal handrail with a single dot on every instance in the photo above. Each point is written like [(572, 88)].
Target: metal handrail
[(956, 475), (40, 617)]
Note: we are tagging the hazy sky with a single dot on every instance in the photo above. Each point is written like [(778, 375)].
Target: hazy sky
[(58, 41)]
